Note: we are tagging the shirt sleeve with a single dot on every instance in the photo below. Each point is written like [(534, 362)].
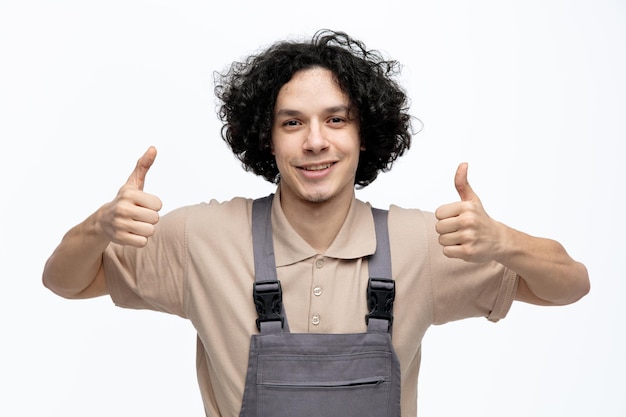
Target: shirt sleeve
[(449, 289), (462, 289), (151, 277)]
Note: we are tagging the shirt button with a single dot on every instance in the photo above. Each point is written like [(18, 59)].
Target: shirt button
[(319, 263), (317, 291), (316, 319)]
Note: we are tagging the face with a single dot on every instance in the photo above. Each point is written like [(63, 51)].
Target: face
[(315, 138)]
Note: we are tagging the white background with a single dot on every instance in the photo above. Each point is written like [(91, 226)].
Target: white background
[(531, 93)]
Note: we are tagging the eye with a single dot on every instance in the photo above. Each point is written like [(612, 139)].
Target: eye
[(336, 121), (291, 123)]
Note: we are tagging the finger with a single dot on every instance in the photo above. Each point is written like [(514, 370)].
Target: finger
[(448, 225), (456, 238), (448, 210), (136, 230), (149, 201), (462, 184), (456, 252), (131, 239), (145, 215), (137, 178), (140, 229), (449, 239)]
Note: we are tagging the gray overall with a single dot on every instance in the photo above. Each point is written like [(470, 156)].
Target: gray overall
[(312, 374)]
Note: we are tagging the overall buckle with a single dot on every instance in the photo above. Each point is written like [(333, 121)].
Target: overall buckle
[(380, 295), (268, 299)]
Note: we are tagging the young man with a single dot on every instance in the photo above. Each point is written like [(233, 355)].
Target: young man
[(316, 118)]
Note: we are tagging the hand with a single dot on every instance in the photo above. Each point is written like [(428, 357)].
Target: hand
[(465, 230), (131, 217)]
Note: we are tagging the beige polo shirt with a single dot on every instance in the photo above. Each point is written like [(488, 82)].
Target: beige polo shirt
[(199, 265)]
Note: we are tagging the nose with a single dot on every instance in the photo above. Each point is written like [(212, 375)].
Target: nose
[(315, 140)]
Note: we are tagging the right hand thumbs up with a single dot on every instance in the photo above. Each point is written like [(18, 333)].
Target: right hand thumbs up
[(138, 176), (131, 217)]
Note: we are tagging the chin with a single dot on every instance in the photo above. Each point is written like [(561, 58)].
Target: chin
[(316, 198)]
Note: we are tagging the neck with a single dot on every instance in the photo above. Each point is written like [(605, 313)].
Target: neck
[(317, 222)]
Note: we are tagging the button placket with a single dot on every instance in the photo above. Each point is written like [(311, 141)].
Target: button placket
[(317, 290)]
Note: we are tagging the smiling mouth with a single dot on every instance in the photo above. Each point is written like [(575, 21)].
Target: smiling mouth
[(319, 167)]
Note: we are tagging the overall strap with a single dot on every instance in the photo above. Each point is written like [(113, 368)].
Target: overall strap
[(381, 287), (267, 290), (268, 296)]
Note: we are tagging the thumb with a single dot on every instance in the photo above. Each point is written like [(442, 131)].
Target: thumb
[(138, 177), (462, 185)]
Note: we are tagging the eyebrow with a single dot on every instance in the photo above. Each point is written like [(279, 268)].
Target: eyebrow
[(333, 109)]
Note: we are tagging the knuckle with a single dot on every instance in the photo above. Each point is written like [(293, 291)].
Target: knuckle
[(467, 221), (150, 230), (117, 223), (125, 192), (120, 210)]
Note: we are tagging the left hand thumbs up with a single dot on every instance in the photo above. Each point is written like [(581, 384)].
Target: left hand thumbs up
[(465, 230)]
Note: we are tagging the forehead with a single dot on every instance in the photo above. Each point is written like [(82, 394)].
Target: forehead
[(311, 88)]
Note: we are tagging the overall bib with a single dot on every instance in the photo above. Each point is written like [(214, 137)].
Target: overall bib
[(312, 374)]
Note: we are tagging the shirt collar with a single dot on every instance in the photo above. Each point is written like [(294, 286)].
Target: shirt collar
[(356, 238)]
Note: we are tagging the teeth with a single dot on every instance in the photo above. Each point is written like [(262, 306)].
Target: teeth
[(317, 167)]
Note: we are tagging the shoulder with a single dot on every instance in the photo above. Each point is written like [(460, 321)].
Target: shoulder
[(408, 222), (212, 211), (401, 214), (213, 217), (407, 226), (411, 231)]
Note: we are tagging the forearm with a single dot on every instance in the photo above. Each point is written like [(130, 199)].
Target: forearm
[(550, 276), (74, 270)]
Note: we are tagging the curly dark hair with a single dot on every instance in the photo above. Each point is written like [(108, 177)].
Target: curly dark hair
[(248, 92)]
